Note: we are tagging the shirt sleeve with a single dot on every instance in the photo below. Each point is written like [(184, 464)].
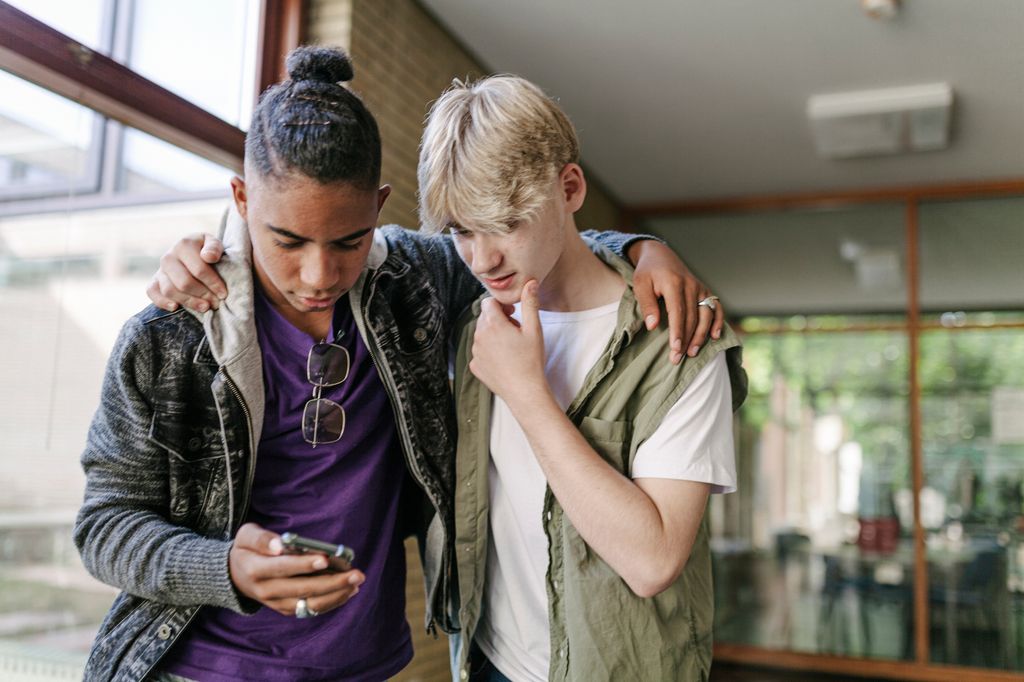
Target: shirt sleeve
[(694, 441)]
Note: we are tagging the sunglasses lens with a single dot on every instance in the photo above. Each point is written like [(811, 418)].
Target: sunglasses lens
[(327, 365), (323, 421)]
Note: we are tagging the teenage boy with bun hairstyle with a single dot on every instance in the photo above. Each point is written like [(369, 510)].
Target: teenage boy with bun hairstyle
[(314, 399), (584, 460)]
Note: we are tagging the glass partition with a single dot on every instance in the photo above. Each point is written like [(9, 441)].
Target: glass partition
[(972, 408), (815, 554)]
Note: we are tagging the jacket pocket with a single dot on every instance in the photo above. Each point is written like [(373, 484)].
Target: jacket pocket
[(189, 436), (419, 316), (195, 461)]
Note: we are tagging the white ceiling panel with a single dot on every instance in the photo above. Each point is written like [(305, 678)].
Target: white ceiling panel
[(686, 99)]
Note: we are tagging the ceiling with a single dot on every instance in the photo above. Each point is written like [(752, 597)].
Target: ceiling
[(691, 99)]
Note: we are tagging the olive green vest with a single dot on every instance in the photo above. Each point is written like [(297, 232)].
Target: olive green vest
[(600, 630)]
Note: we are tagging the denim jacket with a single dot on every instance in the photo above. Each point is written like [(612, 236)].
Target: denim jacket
[(171, 451)]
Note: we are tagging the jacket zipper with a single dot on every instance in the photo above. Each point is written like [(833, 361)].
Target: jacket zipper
[(252, 460), (251, 469), (414, 467), (389, 386)]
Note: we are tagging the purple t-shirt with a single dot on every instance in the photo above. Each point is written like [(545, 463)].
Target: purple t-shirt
[(345, 492)]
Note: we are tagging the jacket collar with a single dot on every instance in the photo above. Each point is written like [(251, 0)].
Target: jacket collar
[(231, 329)]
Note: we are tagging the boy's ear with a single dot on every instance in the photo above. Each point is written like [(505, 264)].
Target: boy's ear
[(574, 186), (382, 195), (238, 193)]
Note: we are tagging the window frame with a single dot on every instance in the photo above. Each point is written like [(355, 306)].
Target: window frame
[(120, 98)]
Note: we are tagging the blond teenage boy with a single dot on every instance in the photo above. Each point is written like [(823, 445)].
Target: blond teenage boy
[(584, 461)]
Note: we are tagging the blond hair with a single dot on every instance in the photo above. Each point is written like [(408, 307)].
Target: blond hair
[(490, 153)]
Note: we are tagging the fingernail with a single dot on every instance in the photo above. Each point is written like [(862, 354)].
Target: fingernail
[(650, 320), (677, 345), (172, 307), (275, 546), (715, 334), (320, 563), (356, 580), (202, 306), (675, 357), (216, 305), (221, 293), (694, 350)]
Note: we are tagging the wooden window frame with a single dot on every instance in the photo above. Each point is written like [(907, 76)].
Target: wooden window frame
[(38, 53)]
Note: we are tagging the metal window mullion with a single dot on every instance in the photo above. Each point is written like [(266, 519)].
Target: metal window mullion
[(99, 147), (113, 168)]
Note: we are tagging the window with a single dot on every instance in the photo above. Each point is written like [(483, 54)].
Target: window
[(87, 205), (816, 554), (59, 150), (972, 428)]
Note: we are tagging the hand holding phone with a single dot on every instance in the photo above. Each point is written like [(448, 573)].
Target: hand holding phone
[(339, 557), (262, 569)]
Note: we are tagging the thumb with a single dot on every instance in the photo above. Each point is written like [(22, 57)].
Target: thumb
[(531, 306), (258, 539), (212, 250)]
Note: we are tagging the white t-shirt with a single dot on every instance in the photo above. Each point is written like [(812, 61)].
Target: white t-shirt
[(694, 442)]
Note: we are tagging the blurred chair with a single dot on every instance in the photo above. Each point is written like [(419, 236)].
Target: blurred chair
[(859, 614), (734, 569), (842, 620), (978, 603), (881, 598)]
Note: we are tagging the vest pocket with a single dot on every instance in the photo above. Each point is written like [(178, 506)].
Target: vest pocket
[(609, 439)]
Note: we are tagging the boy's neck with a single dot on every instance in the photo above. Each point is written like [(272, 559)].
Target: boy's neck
[(580, 280), (316, 324)]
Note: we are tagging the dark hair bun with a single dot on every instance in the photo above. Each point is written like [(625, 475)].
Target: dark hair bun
[(324, 64)]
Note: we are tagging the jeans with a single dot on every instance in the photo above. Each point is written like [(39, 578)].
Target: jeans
[(482, 670)]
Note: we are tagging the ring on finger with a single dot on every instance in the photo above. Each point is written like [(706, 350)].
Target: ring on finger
[(708, 302), (303, 609)]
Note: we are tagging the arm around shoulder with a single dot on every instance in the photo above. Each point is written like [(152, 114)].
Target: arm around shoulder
[(437, 257)]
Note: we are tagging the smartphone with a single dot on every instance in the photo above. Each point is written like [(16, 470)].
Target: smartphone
[(339, 557)]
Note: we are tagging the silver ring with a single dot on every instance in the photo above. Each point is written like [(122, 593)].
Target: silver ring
[(302, 609), (709, 302)]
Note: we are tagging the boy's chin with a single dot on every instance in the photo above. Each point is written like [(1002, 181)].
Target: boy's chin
[(507, 297)]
